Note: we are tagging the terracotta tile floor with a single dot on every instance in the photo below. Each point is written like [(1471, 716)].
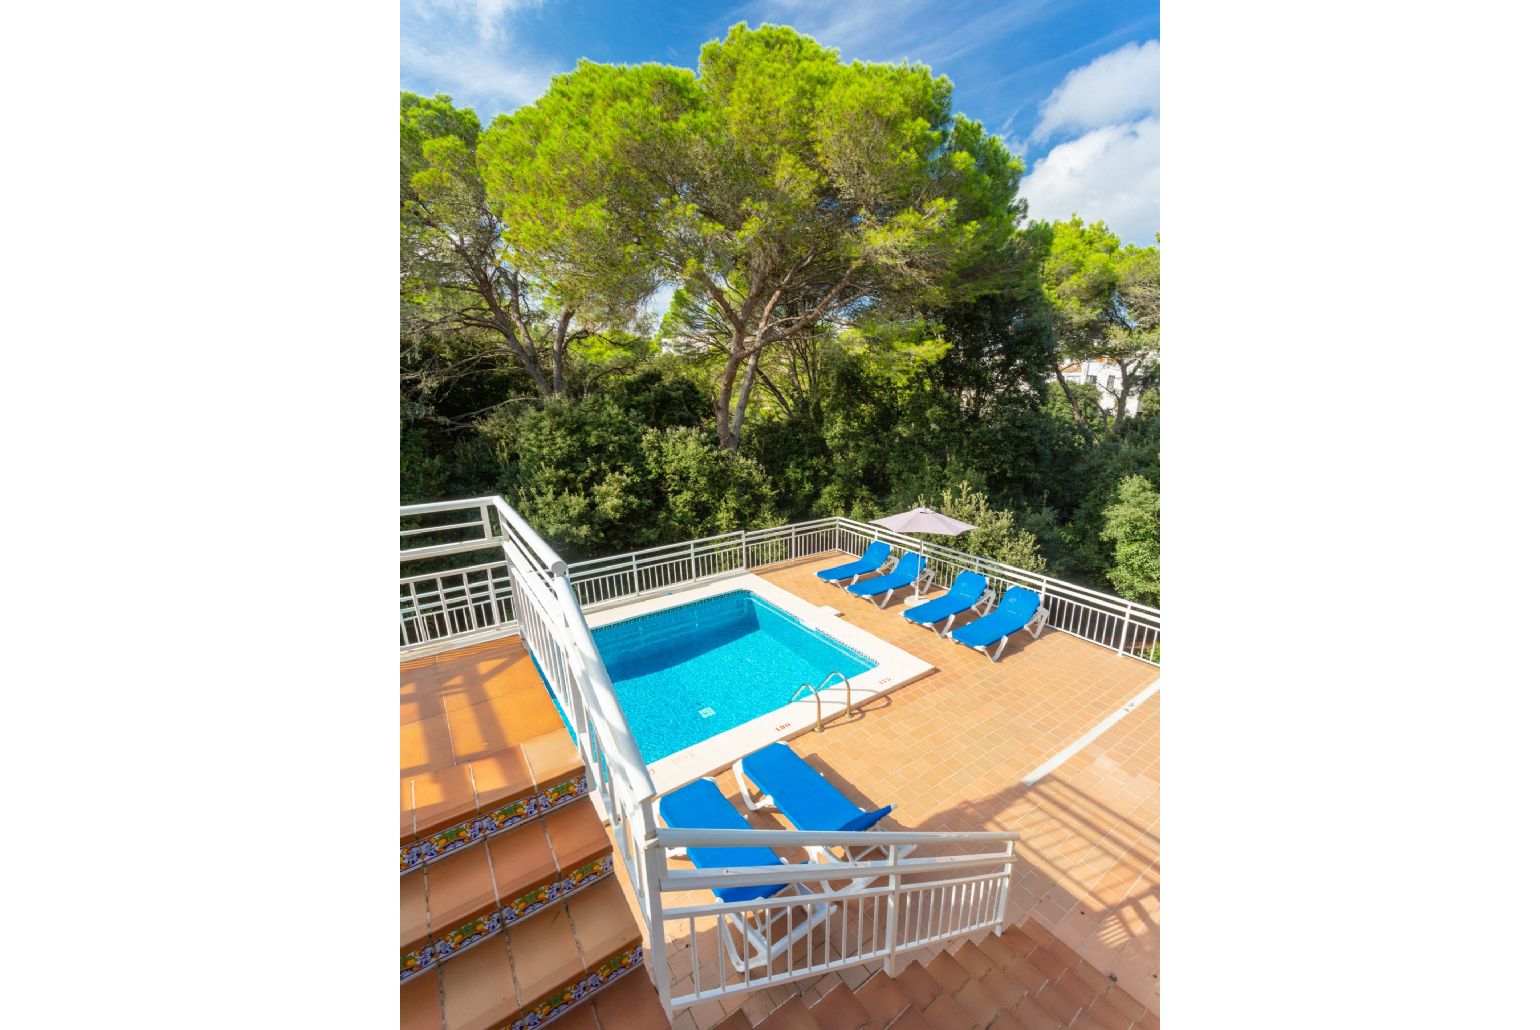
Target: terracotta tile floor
[(950, 751)]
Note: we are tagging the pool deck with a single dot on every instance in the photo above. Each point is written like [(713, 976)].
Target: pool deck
[(950, 751)]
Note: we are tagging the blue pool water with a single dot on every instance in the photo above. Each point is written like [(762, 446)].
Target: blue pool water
[(735, 655)]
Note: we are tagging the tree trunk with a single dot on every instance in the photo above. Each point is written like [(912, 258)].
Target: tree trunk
[(531, 365), (1069, 395), (744, 390), (724, 399)]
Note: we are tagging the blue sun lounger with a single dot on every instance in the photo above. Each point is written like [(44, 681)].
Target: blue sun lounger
[(701, 806), (876, 553), (808, 801), (1019, 609), (906, 574), (968, 591)]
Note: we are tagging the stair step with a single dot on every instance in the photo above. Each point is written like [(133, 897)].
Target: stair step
[(1007, 1021), (998, 950), (1076, 989), (918, 985), (973, 960), (458, 902), (541, 967), (1101, 1016), (947, 971), (1026, 974), (839, 1010), (479, 989), (455, 807), (1002, 988), (977, 1000), (1033, 1016), (630, 1004), (945, 1013), (1024, 978), (1125, 1003), (419, 1003), (791, 1014), (911, 1019), (881, 998), (1057, 1004)]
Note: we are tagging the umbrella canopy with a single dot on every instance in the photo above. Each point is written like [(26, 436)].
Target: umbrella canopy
[(923, 520)]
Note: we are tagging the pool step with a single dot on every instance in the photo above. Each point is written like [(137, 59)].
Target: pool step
[(1025, 977)]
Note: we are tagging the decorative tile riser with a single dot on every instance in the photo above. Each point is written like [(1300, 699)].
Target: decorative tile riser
[(516, 813), (414, 964), (555, 1006)]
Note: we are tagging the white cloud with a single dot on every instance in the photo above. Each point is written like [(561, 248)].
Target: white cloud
[(930, 31), (1115, 88), (468, 49), (489, 81), (491, 16), (1110, 174)]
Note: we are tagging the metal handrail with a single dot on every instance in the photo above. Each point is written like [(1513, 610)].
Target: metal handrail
[(818, 699)]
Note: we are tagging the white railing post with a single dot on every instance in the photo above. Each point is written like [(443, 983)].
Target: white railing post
[(743, 542), (1128, 616), (693, 573), (1005, 887), (890, 960), (652, 865)]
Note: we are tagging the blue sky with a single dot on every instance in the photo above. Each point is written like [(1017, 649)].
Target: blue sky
[(1072, 85)]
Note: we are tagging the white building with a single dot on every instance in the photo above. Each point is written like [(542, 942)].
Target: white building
[(1106, 377)]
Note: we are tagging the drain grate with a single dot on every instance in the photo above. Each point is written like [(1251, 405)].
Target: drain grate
[(706, 713)]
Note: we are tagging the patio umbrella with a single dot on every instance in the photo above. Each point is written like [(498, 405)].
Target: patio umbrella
[(923, 520)]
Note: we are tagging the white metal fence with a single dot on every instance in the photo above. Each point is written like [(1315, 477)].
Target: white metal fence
[(927, 888), (1116, 623), (837, 914)]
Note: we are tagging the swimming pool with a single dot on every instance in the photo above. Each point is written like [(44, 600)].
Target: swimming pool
[(685, 674)]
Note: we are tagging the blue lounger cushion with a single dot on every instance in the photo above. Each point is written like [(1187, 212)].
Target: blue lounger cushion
[(904, 575), (965, 593), (808, 800), (1017, 608), (876, 553), (701, 806)]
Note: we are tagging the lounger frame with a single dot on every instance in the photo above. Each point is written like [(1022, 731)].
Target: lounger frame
[(755, 951)]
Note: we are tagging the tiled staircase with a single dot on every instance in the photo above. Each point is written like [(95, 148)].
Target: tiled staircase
[(511, 915), (1024, 978)]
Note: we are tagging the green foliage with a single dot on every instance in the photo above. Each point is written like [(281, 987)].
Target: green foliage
[(1133, 525), (776, 186), (1105, 297), (856, 303), (704, 490), (996, 536)]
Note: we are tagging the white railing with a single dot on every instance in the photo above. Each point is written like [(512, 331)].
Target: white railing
[(834, 914), (838, 914), (1116, 623)]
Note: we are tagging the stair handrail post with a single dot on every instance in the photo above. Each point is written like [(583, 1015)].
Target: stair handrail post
[(1005, 887), (890, 959), (652, 873)]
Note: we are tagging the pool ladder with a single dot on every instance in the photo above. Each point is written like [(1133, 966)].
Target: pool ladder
[(818, 697)]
